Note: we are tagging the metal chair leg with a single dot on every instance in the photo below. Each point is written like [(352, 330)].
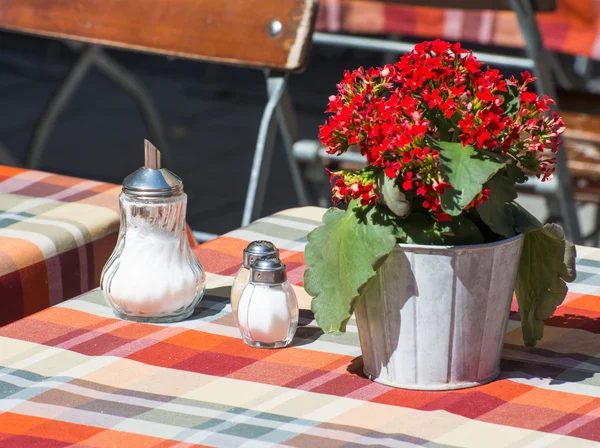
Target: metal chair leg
[(537, 53), (57, 104), (264, 150), (288, 127), (142, 98), (596, 231)]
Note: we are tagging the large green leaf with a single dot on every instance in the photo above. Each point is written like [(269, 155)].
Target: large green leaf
[(343, 255), (392, 196), (515, 173), (496, 212), (547, 263), (420, 228), (524, 221), (466, 169)]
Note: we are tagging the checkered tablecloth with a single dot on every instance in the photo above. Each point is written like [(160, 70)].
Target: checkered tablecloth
[(75, 375), (573, 28), (56, 233)]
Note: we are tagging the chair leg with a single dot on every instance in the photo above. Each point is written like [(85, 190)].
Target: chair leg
[(141, 97), (596, 231), (263, 153), (288, 128), (57, 104), (537, 53)]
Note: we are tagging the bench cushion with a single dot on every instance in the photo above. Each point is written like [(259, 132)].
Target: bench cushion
[(572, 28), (56, 234)]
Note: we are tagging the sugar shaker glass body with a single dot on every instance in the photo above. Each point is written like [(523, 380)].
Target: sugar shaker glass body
[(153, 275)]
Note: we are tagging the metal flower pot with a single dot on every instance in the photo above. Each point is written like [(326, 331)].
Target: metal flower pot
[(435, 316)]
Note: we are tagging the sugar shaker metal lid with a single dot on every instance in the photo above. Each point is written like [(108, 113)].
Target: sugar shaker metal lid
[(152, 180), (258, 249), (268, 270)]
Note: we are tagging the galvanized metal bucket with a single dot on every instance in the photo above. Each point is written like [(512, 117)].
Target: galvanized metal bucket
[(435, 316)]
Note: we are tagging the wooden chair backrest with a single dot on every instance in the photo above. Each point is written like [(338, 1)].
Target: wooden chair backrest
[(496, 5), (238, 32)]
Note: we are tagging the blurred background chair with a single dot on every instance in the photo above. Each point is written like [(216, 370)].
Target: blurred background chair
[(272, 35), (224, 104)]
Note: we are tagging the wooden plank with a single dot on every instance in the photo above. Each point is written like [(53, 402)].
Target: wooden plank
[(228, 31), (496, 5)]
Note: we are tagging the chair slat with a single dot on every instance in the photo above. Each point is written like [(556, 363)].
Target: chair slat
[(227, 31)]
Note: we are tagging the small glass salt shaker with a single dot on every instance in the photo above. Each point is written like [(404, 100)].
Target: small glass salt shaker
[(252, 252), (268, 308)]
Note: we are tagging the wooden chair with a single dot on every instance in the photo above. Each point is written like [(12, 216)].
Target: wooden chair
[(538, 60), (273, 35)]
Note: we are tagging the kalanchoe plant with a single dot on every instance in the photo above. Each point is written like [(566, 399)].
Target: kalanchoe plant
[(445, 139)]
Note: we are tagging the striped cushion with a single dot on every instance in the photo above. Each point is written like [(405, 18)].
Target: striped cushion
[(56, 233), (573, 28)]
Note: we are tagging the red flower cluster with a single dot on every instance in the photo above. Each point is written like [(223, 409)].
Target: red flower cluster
[(442, 92)]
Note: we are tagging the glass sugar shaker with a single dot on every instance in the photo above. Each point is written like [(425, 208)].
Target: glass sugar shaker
[(152, 274), (252, 252), (268, 308)]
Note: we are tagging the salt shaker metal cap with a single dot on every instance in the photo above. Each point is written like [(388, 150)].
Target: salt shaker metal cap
[(152, 180), (268, 270), (258, 249)]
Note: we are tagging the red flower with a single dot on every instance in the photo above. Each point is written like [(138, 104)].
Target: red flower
[(438, 91), (408, 181)]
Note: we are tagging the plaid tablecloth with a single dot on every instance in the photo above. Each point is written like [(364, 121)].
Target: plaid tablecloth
[(74, 375), (56, 233), (573, 28)]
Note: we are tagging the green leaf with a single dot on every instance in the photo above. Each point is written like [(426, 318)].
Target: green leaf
[(466, 169), (343, 255), (547, 263), (461, 232), (511, 103), (392, 196), (495, 212), (419, 228), (524, 221), (516, 173)]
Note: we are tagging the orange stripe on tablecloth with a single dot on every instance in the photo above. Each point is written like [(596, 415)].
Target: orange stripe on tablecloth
[(10, 171), (73, 318), (17, 424), (226, 245), (23, 252), (33, 272), (504, 390), (63, 181), (192, 339), (199, 340), (108, 198), (588, 302), (559, 401), (12, 423)]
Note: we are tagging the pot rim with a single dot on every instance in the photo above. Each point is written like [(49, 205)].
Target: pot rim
[(462, 247)]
